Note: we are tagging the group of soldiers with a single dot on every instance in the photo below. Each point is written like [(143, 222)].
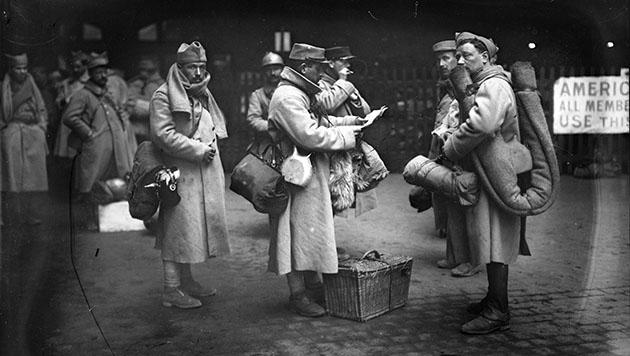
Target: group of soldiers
[(91, 111), (308, 105)]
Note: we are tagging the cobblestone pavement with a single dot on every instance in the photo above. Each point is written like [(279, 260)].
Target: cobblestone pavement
[(571, 297)]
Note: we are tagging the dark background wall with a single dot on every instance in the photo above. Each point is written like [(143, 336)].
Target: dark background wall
[(391, 38), (566, 32)]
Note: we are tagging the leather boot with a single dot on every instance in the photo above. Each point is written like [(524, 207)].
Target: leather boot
[(493, 309), (303, 305), (299, 301), (477, 308), (192, 287), (497, 297), (314, 288), (490, 320), (175, 297)]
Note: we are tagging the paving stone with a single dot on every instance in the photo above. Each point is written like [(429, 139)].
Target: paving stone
[(612, 326), (568, 339), (522, 344), (544, 351), (597, 346), (592, 337), (620, 343), (571, 349), (544, 341)]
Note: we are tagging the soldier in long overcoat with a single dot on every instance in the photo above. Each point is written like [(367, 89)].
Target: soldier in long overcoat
[(141, 89), (185, 123), (23, 123), (494, 235), (303, 239), (67, 88), (340, 98), (97, 130), (99, 134)]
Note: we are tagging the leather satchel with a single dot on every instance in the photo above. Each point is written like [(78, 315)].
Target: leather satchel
[(257, 178)]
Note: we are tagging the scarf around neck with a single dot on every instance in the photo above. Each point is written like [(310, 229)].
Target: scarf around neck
[(178, 91), (11, 101), (489, 72)]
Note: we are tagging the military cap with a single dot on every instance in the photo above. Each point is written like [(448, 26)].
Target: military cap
[(304, 52), (79, 56), (147, 64), (17, 60), (446, 45), (190, 53), (487, 42), (98, 60), (340, 52)]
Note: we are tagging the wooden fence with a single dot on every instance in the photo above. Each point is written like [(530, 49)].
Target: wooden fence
[(405, 131)]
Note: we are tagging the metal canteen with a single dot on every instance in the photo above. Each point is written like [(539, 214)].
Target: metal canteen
[(297, 169)]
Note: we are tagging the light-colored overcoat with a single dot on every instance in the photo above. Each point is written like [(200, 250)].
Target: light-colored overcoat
[(23, 142), (493, 234), (105, 149), (196, 228), (258, 116), (141, 90), (303, 235)]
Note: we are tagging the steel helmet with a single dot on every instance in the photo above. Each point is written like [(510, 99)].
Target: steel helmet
[(271, 58)]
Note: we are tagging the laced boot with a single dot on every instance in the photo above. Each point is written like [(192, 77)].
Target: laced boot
[(494, 313), (445, 264), (303, 305), (488, 321), (192, 287), (477, 308), (195, 289), (466, 270), (175, 297)]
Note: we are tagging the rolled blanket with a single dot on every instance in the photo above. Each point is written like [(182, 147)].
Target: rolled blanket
[(457, 185), (498, 169)]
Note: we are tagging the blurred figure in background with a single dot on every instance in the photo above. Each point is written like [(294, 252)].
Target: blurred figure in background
[(62, 152), (449, 216), (23, 124), (49, 94), (119, 92), (141, 88), (444, 52), (99, 135), (258, 110)]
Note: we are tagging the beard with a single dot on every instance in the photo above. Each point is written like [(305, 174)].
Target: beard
[(18, 78), (100, 82)]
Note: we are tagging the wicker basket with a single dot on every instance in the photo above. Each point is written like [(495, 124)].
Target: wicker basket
[(368, 287)]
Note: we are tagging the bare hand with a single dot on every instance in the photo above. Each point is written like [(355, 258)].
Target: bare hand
[(209, 156), (371, 117), (344, 73)]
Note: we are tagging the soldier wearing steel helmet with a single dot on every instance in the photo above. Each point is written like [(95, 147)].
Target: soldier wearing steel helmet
[(258, 110)]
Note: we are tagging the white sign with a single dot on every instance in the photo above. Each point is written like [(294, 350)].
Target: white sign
[(591, 105)]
